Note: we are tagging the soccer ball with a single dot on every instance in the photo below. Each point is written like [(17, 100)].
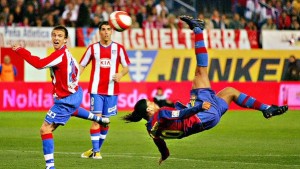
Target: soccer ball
[(120, 20)]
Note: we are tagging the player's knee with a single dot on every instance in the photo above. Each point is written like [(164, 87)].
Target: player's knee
[(95, 125), (232, 91), (44, 130)]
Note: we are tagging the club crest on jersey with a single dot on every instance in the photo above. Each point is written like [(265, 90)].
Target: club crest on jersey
[(105, 63), (175, 113)]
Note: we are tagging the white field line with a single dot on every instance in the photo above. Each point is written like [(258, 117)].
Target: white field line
[(135, 155)]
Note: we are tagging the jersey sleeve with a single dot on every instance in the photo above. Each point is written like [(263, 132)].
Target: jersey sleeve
[(50, 61), (167, 113), (162, 147), (124, 57), (86, 58)]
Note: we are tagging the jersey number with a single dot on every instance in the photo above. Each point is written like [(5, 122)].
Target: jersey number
[(51, 114), (171, 134)]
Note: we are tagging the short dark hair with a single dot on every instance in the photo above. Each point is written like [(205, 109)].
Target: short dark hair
[(61, 27), (139, 113), (103, 23), (159, 88), (293, 56)]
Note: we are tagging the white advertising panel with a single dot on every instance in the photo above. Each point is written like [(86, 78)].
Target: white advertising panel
[(31, 36), (285, 40)]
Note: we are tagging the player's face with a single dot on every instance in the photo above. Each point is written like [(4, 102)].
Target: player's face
[(6, 59), (58, 39), (151, 108), (105, 33), (159, 92)]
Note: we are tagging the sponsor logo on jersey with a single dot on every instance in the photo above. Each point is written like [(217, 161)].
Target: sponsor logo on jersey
[(175, 113), (105, 63), (112, 109)]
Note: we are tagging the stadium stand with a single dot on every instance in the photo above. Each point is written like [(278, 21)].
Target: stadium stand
[(151, 14)]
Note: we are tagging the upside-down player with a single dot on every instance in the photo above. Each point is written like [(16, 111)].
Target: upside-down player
[(203, 113)]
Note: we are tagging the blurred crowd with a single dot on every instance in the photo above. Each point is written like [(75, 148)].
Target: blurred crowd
[(243, 14)]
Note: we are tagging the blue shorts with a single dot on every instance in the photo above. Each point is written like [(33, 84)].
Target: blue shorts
[(63, 108), (211, 117), (104, 104)]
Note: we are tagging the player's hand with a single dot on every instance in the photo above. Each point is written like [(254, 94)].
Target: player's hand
[(117, 77), (163, 158), (160, 161), (206, 105)]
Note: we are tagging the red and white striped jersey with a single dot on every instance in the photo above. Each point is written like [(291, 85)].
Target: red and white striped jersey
[(105, 64), (64, 69)]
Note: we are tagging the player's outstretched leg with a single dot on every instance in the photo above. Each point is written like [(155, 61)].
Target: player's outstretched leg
[(230, 94), (193, 22), (84, 114), (201, 73), (268, 111), (274, 111)]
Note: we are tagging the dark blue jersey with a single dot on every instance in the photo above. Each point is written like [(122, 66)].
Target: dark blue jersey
[(182, 122), (173, 123)]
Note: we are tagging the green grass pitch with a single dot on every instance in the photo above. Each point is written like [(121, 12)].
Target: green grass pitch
[(242, 140)]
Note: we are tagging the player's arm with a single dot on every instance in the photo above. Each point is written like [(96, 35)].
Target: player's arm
[(125, 62), (163, 149), (183, 113), (52, 60), (81, 69), (86, 59)]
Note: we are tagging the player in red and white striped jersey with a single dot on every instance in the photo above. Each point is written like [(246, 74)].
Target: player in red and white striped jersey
[(67, 94), (105, 57), (105, 63)]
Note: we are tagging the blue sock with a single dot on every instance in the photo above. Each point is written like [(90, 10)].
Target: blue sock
[(95, 135), (84, 114), (200, 49), (48, 149), (103, 133), (249, 102)]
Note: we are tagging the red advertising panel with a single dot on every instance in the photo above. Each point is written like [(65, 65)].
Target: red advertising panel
[(290, 94), (22, 96), (15, 60)]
